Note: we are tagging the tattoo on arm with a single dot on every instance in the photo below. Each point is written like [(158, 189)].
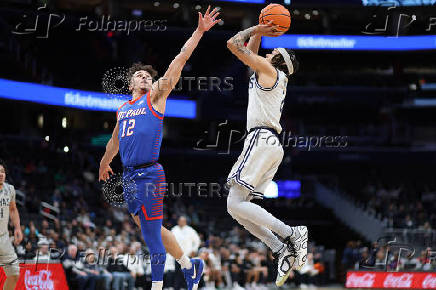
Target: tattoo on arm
[(239, 40)]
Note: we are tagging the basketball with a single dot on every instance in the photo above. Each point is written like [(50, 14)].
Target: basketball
[(278, 14)]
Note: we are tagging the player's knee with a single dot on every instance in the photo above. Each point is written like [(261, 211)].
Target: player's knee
[(13, 279), (231, 208), (12, 272)]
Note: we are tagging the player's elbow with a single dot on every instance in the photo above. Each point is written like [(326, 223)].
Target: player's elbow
[(12, 210), (180, 59), (230, 44)]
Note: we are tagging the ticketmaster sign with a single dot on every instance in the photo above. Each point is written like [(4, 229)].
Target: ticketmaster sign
[(85, 100), (350, 42)]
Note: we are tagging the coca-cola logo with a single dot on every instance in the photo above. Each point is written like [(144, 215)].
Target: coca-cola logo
[(429, 282), (365, 280), (401, 281), (41, 281)]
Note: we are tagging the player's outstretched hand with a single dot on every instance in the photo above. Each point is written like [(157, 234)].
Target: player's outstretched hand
[(18, 236), (207, 21), (268, 29), (103, 172)]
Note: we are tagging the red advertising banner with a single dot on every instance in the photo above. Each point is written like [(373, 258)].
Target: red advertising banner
[(398, 280), (39, 277)]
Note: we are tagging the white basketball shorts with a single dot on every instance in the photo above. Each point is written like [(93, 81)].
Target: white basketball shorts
[(258, 162)]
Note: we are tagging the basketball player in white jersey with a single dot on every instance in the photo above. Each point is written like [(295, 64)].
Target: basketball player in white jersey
[(8, 208), (263, 153)]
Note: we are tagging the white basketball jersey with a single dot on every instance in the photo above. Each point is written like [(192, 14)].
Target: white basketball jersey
[(7, 194), (265, 105)]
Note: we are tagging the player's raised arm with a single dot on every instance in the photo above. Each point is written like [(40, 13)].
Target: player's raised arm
[(111, 151), (162, 88), (248, 55)]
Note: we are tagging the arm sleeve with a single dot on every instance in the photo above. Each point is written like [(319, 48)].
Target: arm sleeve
[(12, 193)]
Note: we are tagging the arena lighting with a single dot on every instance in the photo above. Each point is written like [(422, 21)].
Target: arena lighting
[(64, 122), (40, 121), (84, 100), (283, 188), (271, 190), (351, 42), (244, 1), (398, 2)]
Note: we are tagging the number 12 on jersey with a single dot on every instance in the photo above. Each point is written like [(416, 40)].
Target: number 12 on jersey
[(130, 127)]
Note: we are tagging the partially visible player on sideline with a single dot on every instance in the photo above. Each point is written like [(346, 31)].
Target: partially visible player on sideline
[(138, 137), (8, 208), (262, 153)]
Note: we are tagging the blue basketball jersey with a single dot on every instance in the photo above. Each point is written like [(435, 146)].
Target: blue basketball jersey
[(140, 132)]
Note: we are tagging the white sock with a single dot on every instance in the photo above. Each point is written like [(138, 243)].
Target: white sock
[(156, 285), (184, 262), (237, 205), (262, 233)]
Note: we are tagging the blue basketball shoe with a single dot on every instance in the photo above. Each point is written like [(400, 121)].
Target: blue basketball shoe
[(193, 275)]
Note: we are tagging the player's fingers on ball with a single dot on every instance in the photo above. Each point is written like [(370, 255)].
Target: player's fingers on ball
[(216, 21)]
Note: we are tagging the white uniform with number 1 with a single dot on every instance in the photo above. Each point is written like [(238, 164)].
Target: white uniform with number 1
[(262, 153), (8, 257)]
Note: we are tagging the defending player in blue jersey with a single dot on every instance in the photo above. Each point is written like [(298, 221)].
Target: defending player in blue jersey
[(138, 137)]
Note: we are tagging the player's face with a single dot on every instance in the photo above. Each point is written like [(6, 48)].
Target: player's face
[(142, 80), (270, 56), (2, 174)]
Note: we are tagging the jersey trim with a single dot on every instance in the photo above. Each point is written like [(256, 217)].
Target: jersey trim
[(120, 108), (237, 175), (157, 114), (144, 211), (131, 102), (267, 89)]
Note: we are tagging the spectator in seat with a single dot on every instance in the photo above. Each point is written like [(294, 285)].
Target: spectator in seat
[(189, 241), (120, 273)]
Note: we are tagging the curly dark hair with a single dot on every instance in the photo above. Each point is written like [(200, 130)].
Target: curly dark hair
[(2, 163), (137, 66), (278, 62)]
